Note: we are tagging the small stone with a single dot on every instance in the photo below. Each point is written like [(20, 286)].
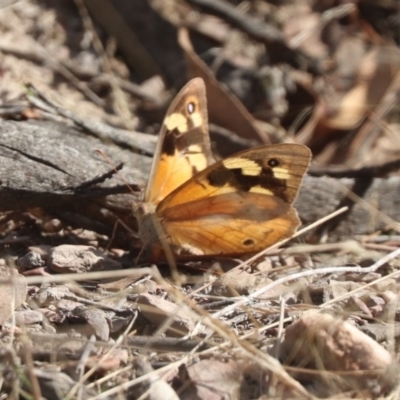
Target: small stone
[(42, 249), (79, 259), (52, 226), (28, 317), (30, 260)]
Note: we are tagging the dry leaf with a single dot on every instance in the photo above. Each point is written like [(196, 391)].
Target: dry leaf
[(224, 108), (212, 380), (376, 72), (160, 311), (56, 385), (96, 322), (236, 282), (78, 259), (154, 387)]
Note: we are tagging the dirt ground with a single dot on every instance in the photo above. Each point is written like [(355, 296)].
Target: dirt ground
[(87, 311)]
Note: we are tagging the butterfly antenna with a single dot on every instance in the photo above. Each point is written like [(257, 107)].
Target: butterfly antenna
[(118, 221), (114, 232), (114, 168), (139, 255)]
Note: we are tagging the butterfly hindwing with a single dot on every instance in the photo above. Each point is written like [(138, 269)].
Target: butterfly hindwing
[(237, 223), (238, 205)]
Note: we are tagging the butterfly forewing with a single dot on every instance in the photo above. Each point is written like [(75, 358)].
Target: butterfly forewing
[(183, 148)]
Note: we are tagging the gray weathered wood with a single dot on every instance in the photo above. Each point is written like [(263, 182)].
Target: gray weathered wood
[(42, 164)]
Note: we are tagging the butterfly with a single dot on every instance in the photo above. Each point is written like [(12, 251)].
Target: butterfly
[(241, 204)]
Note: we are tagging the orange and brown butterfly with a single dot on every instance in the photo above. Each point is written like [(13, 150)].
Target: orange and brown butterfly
[(241, 204)]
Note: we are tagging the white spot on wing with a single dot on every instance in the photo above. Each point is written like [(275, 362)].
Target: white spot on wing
[(197, 119), (281, 173), (196, 157), (261, 190), (176, 121), (248, 167)]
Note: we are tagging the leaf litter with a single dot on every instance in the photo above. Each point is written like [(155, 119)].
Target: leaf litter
[(80, 320)]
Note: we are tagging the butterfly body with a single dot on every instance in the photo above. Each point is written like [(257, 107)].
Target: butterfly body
[(238, 205)]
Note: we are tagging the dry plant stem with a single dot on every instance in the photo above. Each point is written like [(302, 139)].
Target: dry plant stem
[(30, 368), (101, 360), (213, 349), (228, 343), (379, 247), (13, 324), (145, 395), (11, 4), (320, 271), (326, 17), (109, 376), (303, 137), (36, 280), (280, 327), (362, 373), (14, 361), (389, 100), (127, 86), (96, 304), (121, 103), (127, 385), (265, 328), (351, 293), (390, 333), (262, 31), (347, 246), (143, 142), (358, 200), (70, 77), (271, 364), (80, 368), (149, 343), (136, 55), (264, 360), (267, 363)]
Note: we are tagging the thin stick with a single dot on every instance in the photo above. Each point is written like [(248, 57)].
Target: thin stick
[(102, 359), (352, 292), (86, 276), (320, 271)]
